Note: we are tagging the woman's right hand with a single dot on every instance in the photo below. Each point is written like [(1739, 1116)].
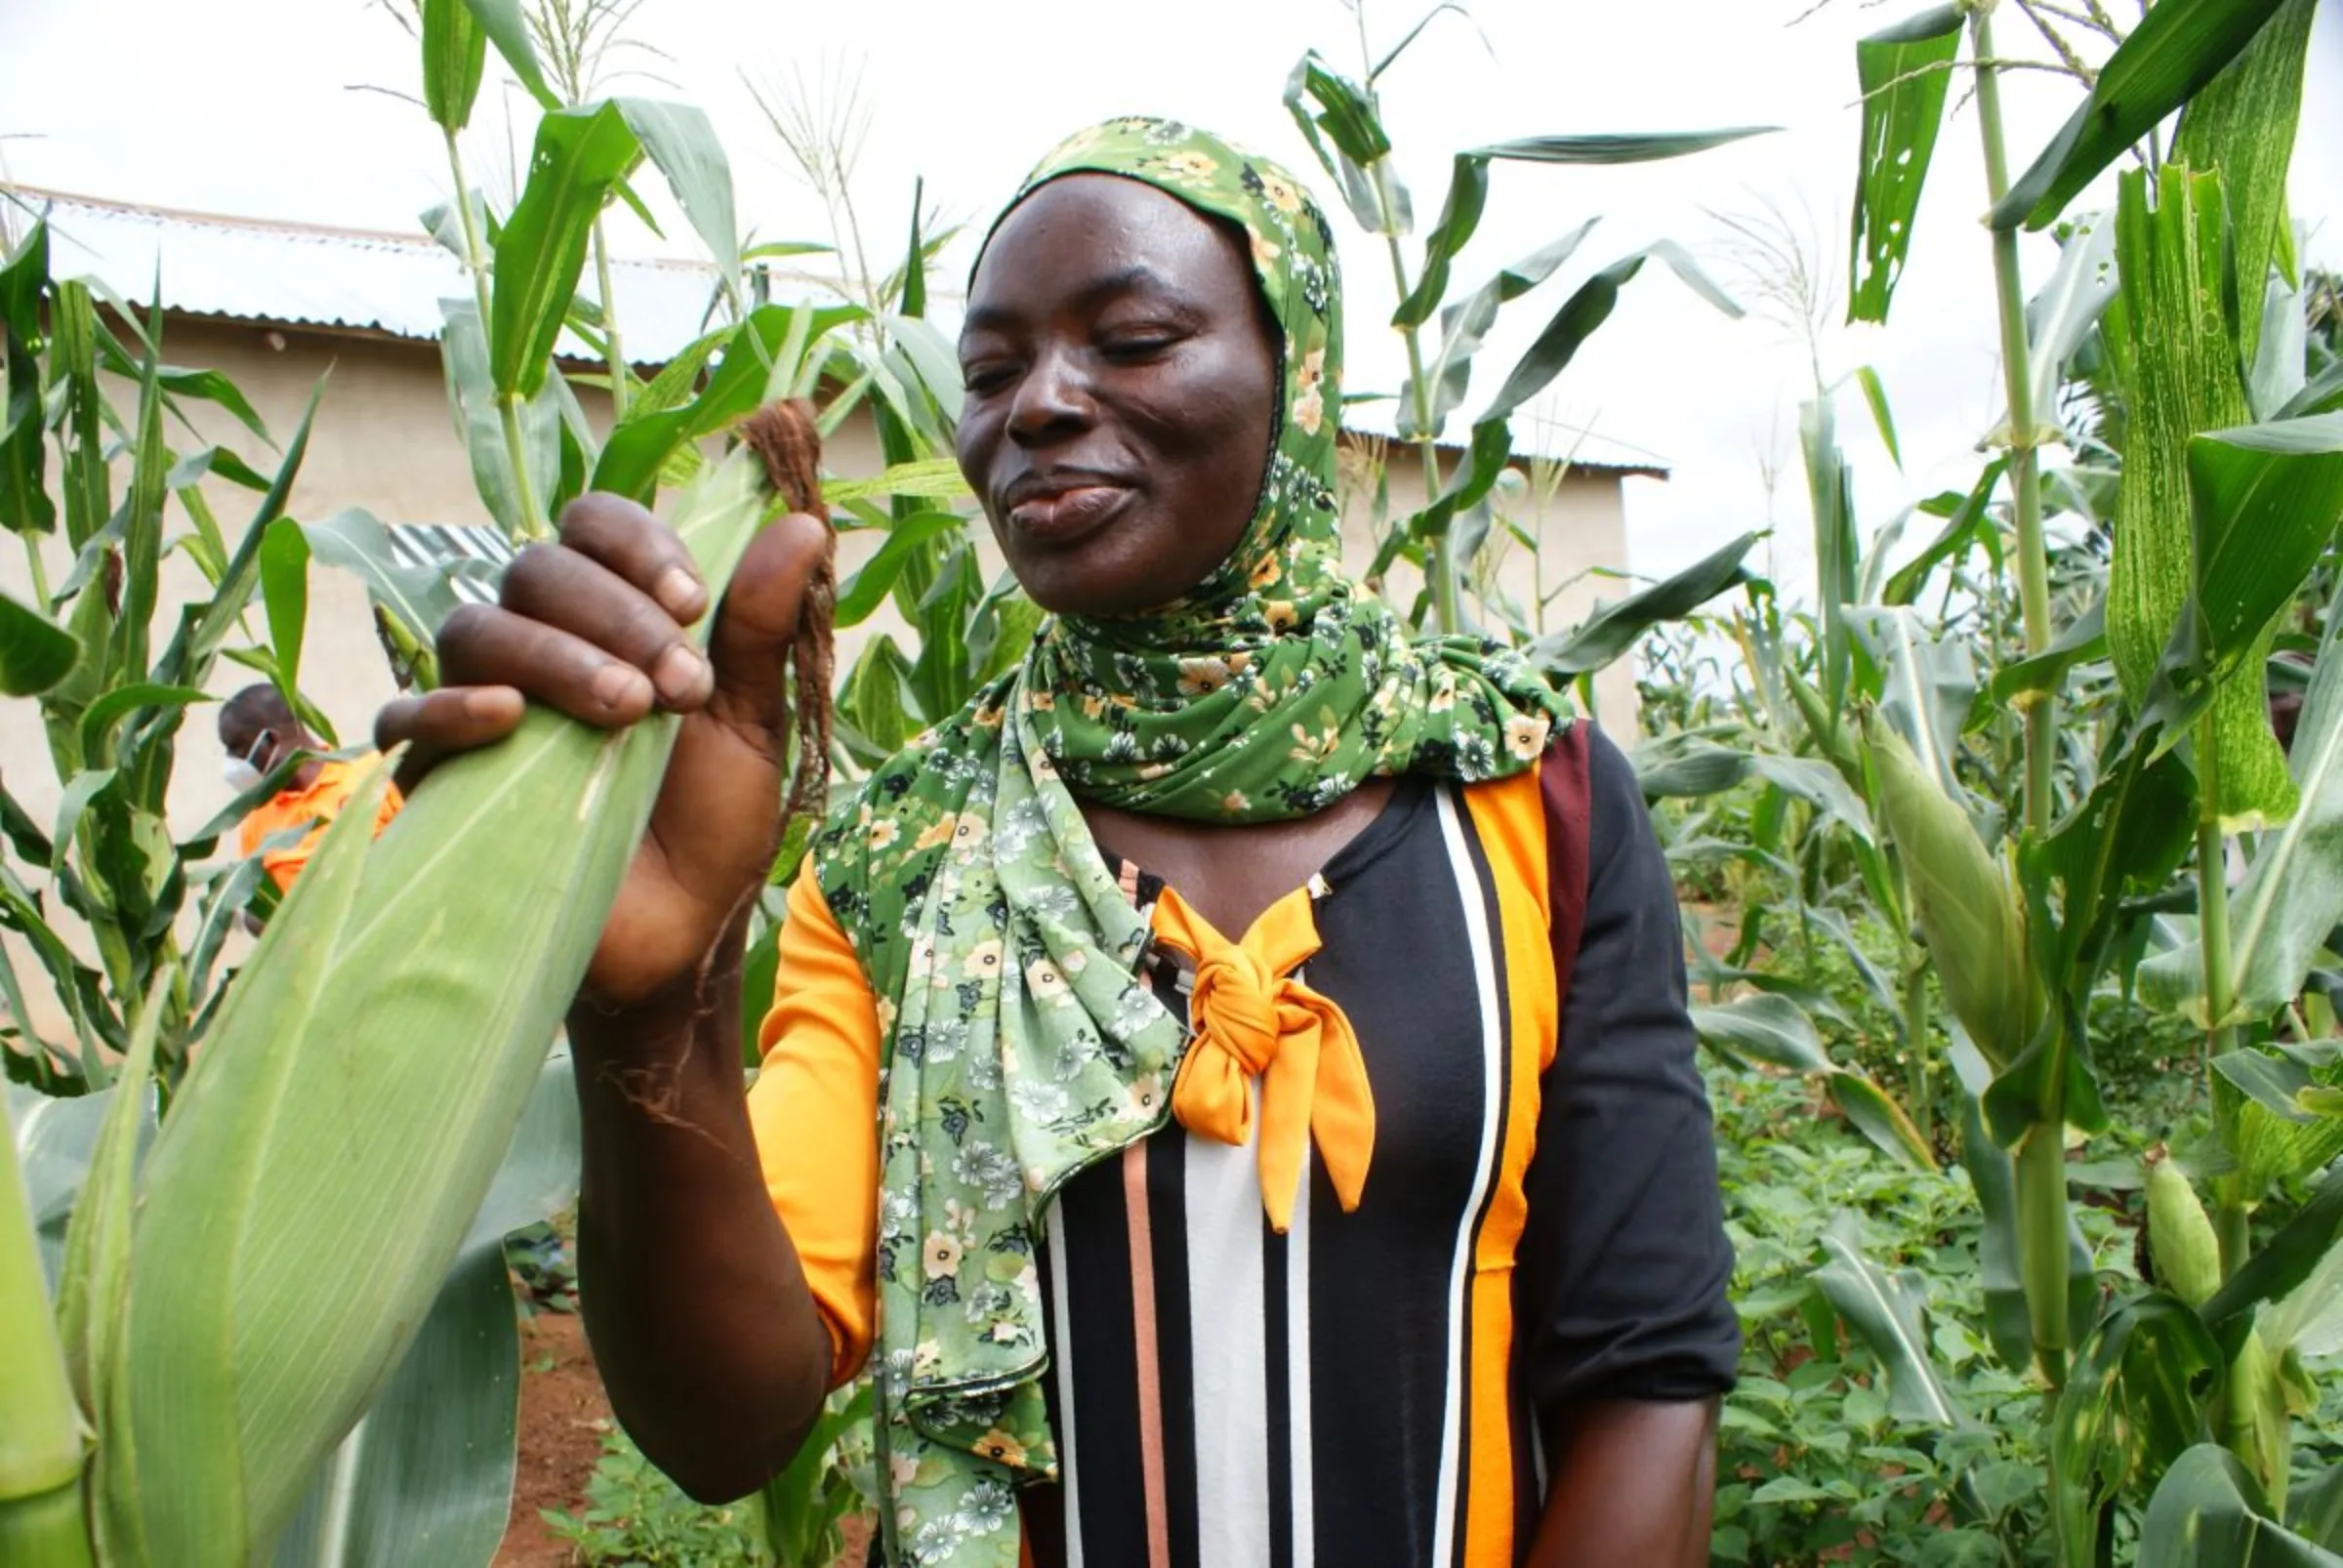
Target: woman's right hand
[(594, 626)]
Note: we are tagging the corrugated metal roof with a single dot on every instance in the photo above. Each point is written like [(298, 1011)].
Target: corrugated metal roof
[(1539, 438), (304, 274)]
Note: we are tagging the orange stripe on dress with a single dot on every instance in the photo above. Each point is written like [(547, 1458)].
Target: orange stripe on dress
[(1509, 818), (1143, 1342)]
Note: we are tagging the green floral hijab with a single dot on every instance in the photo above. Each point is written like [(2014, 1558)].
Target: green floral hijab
[(1022, 1043)]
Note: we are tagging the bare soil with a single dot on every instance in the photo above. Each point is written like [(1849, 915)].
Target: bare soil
[(564, 1413)]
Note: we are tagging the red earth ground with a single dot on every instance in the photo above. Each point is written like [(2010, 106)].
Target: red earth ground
[(564, 1413)]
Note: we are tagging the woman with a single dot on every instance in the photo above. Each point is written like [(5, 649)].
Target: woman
[(1425, 1232)]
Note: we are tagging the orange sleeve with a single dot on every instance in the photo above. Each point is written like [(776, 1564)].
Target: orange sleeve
[(814, 1110)]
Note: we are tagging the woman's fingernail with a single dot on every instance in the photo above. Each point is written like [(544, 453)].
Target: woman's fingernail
[(680, 594), (613, 684), (487, 702), (681, 674)]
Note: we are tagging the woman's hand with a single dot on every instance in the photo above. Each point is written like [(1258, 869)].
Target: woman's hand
[(594, 626)]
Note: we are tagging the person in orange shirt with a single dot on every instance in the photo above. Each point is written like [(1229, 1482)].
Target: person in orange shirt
[(259, 731)]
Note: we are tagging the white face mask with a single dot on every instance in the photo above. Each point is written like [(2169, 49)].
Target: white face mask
[(241, 775)]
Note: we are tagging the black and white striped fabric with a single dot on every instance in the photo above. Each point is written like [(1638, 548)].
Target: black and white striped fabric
[(1366, 1390)]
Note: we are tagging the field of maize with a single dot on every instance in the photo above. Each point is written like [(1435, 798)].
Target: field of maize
[(2011, 847)]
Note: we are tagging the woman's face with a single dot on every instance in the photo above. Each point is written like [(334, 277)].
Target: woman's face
[(1121, 387)]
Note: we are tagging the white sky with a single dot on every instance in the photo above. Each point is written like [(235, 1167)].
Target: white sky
[(248, 108)]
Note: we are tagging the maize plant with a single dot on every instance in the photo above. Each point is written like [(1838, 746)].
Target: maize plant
[(2135, 735)]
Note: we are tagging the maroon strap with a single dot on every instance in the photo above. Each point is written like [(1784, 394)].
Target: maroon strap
[(1562, 783)]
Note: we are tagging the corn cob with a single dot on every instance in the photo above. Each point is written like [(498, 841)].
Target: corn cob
[(308, 1192), (2180, 1235), (1975, 928)]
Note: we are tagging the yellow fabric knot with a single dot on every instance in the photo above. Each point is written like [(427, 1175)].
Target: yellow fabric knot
[(1253, 1019)]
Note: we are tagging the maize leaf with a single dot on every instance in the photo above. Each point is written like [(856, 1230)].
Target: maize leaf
[(1905, 71), (41, 1432), (2241, 127), (1975, 931), (2208, 1512), (2130, 1408), (2185, 380), (2256, 1422), (1888, 1314), (358, 1094)]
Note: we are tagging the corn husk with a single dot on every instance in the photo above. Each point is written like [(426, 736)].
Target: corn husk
[(2180, 1236), (310, 1187), (1968, 912), (41, 1432)]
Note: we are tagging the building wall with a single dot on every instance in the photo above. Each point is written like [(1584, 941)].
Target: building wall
[(1578, 522), (383, 440)]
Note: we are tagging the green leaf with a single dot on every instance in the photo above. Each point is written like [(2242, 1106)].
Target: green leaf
[(1463, 326), (97, 722), (355, 541), (2208, 1513), (1467, 486), (1645, 147), (426, 1476), (1459, 216), (2058, 319), (2292, 897), (480, 416), (1993, 1176), (35, 652), (188, 659), (2133, 1403), (1964, 516), (285, 590), (2317, 1512), (772, 345), (1346, 117), (1687, 767), (1926, 683), (1874, 396), (2177, 49), (94, 1272), (2266, 499), (581, 157), (1615, 629), (508, 28), (1770, 1029), (1876, 1114), (2130, 833), (1820, 785), (2083, 640), (862, 593), (683, 146), (1887, 1312), (2241, 127), (455, 52), (1587, 310), (1904, 72), (2169, 538), (937, 478), (2280, 1265), (24, 503)]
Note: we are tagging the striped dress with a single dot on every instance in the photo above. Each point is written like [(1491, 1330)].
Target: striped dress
[(1541, 1224)]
